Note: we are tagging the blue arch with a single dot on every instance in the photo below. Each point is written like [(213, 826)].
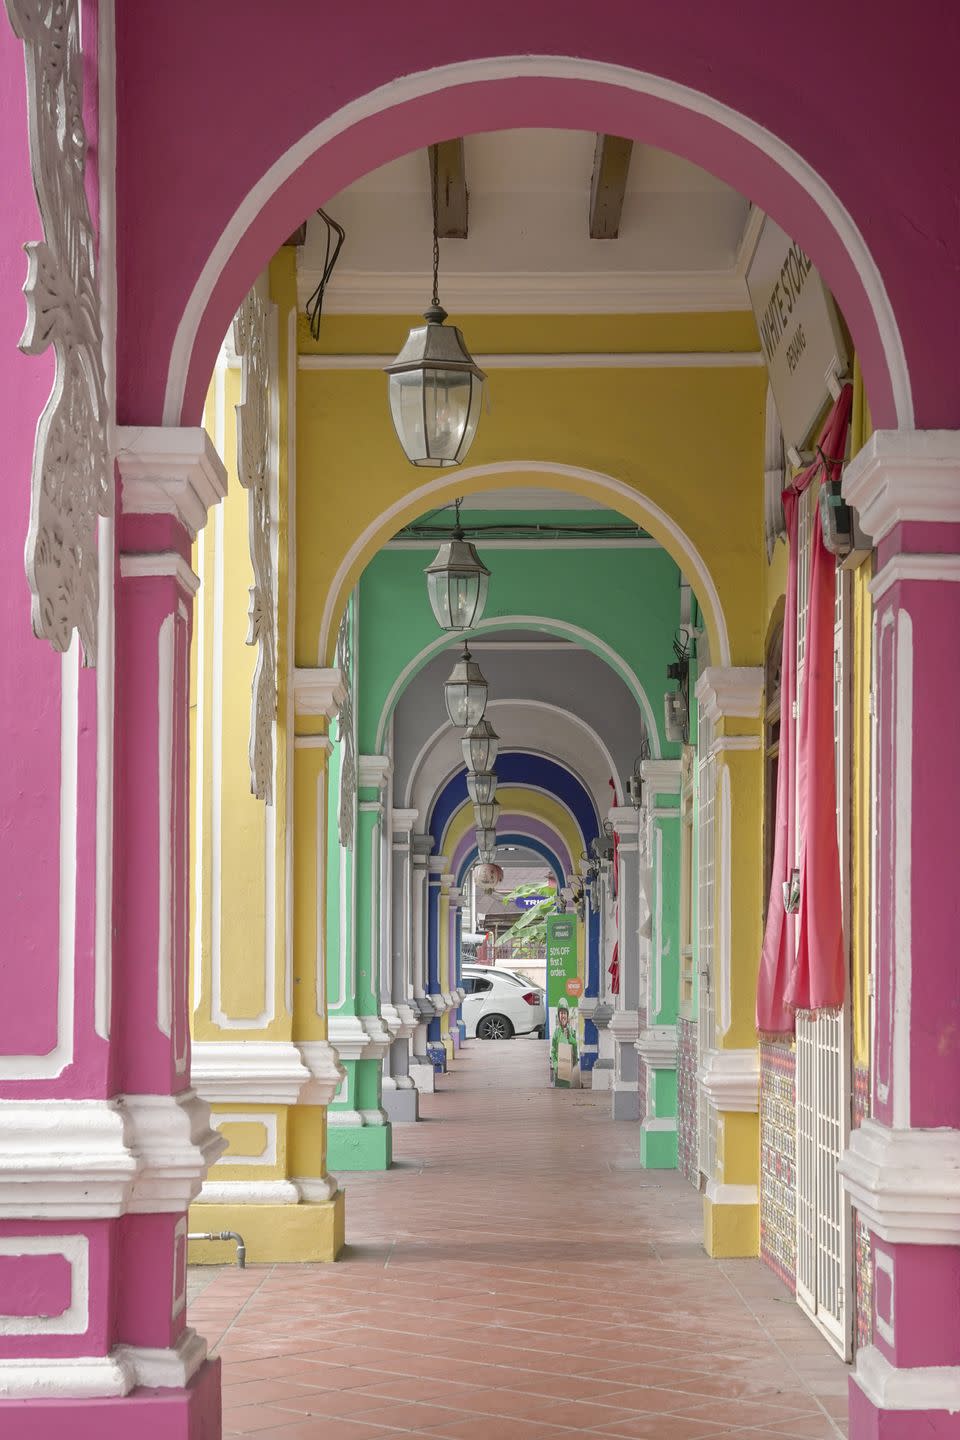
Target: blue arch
[(516, 767), (529, 843)]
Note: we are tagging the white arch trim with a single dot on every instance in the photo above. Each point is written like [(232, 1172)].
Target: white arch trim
[(561, 67), (526, 622), (439, 758)]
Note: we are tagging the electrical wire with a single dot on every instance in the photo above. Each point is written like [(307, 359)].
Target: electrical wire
[(314, 306)]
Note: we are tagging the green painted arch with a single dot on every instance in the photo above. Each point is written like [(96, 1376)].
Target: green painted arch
[(621, 604)]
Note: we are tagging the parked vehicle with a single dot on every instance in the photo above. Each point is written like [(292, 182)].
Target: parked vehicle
[(498, 1006)]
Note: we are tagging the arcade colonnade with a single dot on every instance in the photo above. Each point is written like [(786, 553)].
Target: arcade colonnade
[(112, 1116)]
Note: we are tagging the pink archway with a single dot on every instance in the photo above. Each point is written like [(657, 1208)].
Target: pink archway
[(194, 232)]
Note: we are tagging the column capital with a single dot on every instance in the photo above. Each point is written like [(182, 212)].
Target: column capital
[(170, 470), (624, 819), (403, 820), (373, 771), (318, 691), (905, 1183), (731, 1079), (438, 866), (663, 776), (905, 475), (731, 690)]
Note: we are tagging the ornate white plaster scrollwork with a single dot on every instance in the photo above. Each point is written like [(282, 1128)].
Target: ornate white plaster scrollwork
[(251, 340), (347, 737), (72, 479)]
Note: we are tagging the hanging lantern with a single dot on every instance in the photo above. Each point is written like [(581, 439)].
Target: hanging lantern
[(465, 692), (487, 873), (487, 857), (436, 393), (457, 583), (487, 814), (480, 745), (481, 785), (486, 838), (435, 385)]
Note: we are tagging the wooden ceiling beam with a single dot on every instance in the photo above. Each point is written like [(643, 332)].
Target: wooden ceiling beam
[(611, 166), (452, 197)]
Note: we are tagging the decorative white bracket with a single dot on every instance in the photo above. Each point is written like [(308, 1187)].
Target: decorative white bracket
[(72, 478)]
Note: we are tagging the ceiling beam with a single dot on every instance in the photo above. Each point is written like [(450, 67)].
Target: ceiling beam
[(611, 165), (452, 197)]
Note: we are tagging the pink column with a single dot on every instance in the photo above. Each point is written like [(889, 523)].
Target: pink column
[(902, 1170), (102, 1142)]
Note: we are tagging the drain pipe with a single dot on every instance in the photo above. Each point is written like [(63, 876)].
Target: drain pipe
[(226, 1235)]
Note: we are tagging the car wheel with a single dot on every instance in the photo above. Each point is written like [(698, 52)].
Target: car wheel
[(495, 1027)]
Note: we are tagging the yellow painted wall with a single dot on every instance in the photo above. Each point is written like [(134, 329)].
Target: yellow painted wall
[(690, 439)]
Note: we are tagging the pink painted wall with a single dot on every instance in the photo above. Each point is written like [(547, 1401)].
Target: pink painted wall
[(835, 86)]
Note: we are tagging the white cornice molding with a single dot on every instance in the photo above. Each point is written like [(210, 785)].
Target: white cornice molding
[(175, 1147), (906, 567), (170, 1369), (624, 819), (244, 1072), (318, 691), (562, 360), (439, 865), (905, 1183), (75, 1377), (663, 776), (373, 771), (625, 1026), (170, 470), (731, 1080), (103, 1158), (249, 1192), (657, 1046), (403, 821), (576, 292), (920, 1388), (326, 1072), (719, 1194), (731, 690), (903, 475), (348, 1037), (166, 564)]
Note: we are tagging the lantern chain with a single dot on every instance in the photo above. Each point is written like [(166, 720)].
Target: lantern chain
[(436, 226)]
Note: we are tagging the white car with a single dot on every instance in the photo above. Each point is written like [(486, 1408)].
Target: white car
[(497, 1006)]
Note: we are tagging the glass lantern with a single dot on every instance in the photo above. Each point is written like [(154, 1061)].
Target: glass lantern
[(481, 785), (480, 746), (465, 692), (487, 814), (486, 838), (487, 857), (457, 584), (436, 393)]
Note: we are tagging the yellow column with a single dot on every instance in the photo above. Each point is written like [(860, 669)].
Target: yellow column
[(248, 1059), (730, 705), (443, 964)]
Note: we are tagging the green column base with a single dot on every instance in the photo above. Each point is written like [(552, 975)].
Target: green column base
[(274, 1234), (658, 1148), (359, 1147)]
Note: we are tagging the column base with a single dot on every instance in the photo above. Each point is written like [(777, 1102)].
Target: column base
[(880, 1394), (625, 1103), (423, 1076), (449, 1046), (189, 1414), (731, 1221), (359, 1147), (601, 1076), (658, 1144), (402, 1106), (274, 1234)]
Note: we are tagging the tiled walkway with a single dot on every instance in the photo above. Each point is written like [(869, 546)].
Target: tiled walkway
[(517, 1276)]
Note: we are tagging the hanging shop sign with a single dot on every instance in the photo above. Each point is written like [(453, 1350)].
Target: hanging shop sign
[(530, 902), (800, 333)]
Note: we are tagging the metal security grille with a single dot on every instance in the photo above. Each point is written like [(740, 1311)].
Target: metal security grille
[(706, 892), (823, 1055)]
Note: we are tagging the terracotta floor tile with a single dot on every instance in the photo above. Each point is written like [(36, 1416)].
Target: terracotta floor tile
[(472, 1304)]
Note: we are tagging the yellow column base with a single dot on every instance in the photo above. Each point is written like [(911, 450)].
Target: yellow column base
[(731, 1232), (448, 1045), (274, 1234)]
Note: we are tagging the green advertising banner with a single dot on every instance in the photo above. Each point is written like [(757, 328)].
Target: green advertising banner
[(564, 987)]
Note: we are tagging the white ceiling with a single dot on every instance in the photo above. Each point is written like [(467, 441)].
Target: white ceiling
[(529, 192)]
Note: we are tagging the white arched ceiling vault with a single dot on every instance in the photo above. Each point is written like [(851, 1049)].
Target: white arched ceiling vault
[(530, 726), (595, 680)]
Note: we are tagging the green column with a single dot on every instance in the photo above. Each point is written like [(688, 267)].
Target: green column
[(359, 1133), (657, 1043)]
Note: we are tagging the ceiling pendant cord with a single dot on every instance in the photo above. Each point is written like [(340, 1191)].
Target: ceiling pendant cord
[(435, 187)]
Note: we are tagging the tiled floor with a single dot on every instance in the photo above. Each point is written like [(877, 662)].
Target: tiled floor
[(517, 1276)]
